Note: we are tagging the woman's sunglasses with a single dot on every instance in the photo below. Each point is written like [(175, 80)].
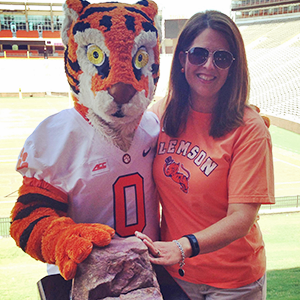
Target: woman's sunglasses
[(198, 56)]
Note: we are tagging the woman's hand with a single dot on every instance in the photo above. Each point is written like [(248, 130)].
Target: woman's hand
[(161, 253), (238, 222)]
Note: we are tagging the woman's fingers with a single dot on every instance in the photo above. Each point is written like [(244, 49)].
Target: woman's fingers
[(162, 253), (149, 243), (153, 250), (143, 236)]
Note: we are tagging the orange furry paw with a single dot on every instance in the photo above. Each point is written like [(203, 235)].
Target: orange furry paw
[(76, 243), (67, 244), (267, 121), (265, 118)]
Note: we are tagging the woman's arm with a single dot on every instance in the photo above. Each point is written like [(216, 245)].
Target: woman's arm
[(238, 222)]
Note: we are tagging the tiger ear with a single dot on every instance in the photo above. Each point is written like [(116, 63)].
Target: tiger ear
[(148, 7), (77, 5), (72, 9)]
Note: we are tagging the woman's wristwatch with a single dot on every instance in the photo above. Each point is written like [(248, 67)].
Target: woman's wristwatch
[(194, 243)]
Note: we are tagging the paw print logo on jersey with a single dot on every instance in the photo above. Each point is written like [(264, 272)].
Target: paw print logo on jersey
[(22, 160), (171, 169), (126, 159)]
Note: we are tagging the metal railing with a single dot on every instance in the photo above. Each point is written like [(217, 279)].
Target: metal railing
[(4, 227), (283, 203)]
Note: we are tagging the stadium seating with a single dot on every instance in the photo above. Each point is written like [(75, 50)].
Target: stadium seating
[(273, 51), (16, 53)]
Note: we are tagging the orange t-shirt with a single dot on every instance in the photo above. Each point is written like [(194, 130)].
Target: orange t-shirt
[(198, 176)]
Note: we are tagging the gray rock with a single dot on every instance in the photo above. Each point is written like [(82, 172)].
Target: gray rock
[(121, 270), (144, 294)]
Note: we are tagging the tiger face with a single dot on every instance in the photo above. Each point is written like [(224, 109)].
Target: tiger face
[(111, 59)]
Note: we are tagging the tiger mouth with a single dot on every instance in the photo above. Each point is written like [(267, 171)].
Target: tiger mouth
[(118, 114)]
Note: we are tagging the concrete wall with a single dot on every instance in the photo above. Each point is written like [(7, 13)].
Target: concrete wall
[(285, 124), (32, 75)]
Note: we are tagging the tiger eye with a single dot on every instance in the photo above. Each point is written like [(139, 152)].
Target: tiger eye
[(95, 55), (141, 58)]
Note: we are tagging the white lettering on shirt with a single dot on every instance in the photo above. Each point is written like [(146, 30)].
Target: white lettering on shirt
[(161, 149), (172, 145), (183, 147), (206, 164), (193, 153), (198, 161)]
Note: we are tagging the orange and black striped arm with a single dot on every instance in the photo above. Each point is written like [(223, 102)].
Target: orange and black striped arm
[(38, 204), (42, 230)]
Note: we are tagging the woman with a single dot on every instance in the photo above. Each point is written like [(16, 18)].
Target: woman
[(213, 167)]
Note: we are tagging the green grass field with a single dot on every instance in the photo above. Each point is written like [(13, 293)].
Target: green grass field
[(281, 234), (19, 273)]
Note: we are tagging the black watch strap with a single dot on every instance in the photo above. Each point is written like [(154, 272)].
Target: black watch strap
[(194, 243)]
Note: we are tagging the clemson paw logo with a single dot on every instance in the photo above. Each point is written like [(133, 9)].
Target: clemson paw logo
[(22, 160)]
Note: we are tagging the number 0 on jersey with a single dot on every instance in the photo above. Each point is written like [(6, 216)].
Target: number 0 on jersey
[(129, 201)]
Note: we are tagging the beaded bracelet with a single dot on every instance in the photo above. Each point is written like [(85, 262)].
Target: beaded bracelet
[(181, 264), (194, 243)]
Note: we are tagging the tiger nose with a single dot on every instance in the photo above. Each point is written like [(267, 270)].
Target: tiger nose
[(122, 92)]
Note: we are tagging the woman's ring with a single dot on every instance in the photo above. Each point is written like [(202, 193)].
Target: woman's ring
[(158, 254)]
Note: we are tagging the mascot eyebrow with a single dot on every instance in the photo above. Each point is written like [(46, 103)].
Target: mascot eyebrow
[(106, 21), (148, 26), (132, 9), (93, 10)]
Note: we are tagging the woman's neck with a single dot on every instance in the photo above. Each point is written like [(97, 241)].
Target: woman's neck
[(203, 105)]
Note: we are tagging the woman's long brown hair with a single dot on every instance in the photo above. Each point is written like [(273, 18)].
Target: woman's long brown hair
[(233, 96)]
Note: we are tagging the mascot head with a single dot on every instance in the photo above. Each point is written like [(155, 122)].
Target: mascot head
[(111, 61)]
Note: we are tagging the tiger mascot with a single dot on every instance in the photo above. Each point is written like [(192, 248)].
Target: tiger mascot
[(87, 171)]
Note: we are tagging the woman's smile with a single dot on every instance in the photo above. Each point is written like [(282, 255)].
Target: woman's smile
[(205, 78)]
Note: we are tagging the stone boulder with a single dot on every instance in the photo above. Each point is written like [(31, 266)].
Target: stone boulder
[(121, 270)]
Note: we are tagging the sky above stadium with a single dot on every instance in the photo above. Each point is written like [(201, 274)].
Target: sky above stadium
[(172, 9), (186, 8), (180, 8)]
